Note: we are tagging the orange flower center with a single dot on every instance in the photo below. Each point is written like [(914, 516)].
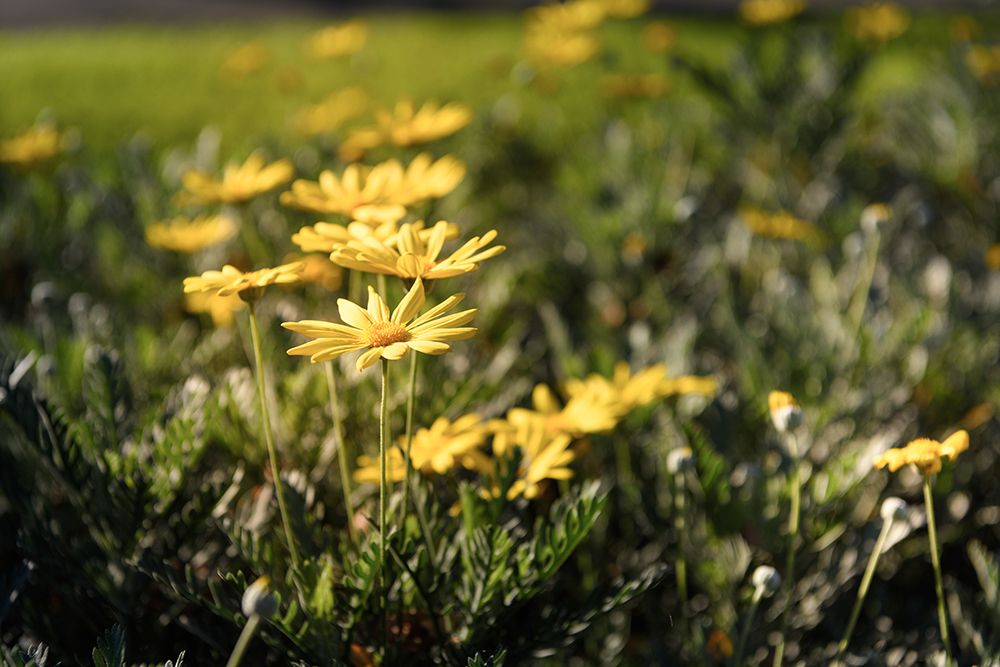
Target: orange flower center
[(383, 334)]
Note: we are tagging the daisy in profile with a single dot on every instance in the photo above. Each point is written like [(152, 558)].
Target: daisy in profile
[(407, 125), (185, 235), (231, 280), (384, 335), (32, 147), (412, 254)]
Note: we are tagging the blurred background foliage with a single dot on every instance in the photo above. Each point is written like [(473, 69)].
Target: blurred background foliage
[(133, 484)]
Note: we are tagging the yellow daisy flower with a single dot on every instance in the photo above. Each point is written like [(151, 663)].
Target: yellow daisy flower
[(231, 280), (435, 450), (368, 194), (688, 385), (186, 235), (992, 257), (589, 412), (327, 237), (383, 335), (245, 60), (630, 391), (545, 49), (319, 270), (426, 178), (222, 309), (567, 16), (239, 183), (339, 40), (625, 9), (330, 114), (659, 37), (780, 225), (406, 125), (878, 22), (924, 453), (984, 63), (634, 85), (411, 254), (545, 455), (767, 12), (31, 147)]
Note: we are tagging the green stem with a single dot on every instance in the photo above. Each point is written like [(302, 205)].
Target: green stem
[(241, 644), (255, 245), (866, 581), (788, 583), (856, 309), (383, 446), (410, 400), (936, 562), (745, 632), (342, 456), (679, 503), (265, 417)]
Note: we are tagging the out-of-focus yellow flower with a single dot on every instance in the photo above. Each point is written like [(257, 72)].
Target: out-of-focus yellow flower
[(977, 416), (330, 114), (566, 16), (544, 455), (992, 257), (659, 37), (878, 22), (337, 41), (245, 60), (780, 225), (545, 49), (984, 63), (924, 453), (768, 12), (426, 178), (435, 450), (963, 29), (327, 237), (368, 194), (625, 9), (406, 125), (185, 235), (594, 411), (377, 194), (415, 255), (689, 385), (231, 280), (319, 270), (785, 411), (635, 85), (383, 335), (239, 183), (222, 309), (32, 147)]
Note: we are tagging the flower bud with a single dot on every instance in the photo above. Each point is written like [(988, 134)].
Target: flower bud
[(785, 411), (679, 458), (874, 216), (893, 508), (766, 580), (259, 600)]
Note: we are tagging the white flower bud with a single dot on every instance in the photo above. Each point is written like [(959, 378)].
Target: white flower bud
[(766, 580), (874, 216), (679, 458), (785, 411), (893, 508), (258, 599)]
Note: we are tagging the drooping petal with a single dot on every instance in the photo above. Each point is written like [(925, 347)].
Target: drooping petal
[(410, 304)]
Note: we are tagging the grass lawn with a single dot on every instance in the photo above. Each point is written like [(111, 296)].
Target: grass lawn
[(165, 81)]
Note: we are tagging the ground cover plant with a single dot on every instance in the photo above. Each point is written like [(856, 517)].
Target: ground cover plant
[(622, 340)]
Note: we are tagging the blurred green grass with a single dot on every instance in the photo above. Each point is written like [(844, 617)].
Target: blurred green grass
[(114, 81)]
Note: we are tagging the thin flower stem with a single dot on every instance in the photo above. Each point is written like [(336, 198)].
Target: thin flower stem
[(252, 240), (383, 446), (410, 400), (856, 309), (342, 455), (745, 632), (788, 581), (679, 527), (866, 581), (936, 562), (381, 286), (245, 637), (265, 417)]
